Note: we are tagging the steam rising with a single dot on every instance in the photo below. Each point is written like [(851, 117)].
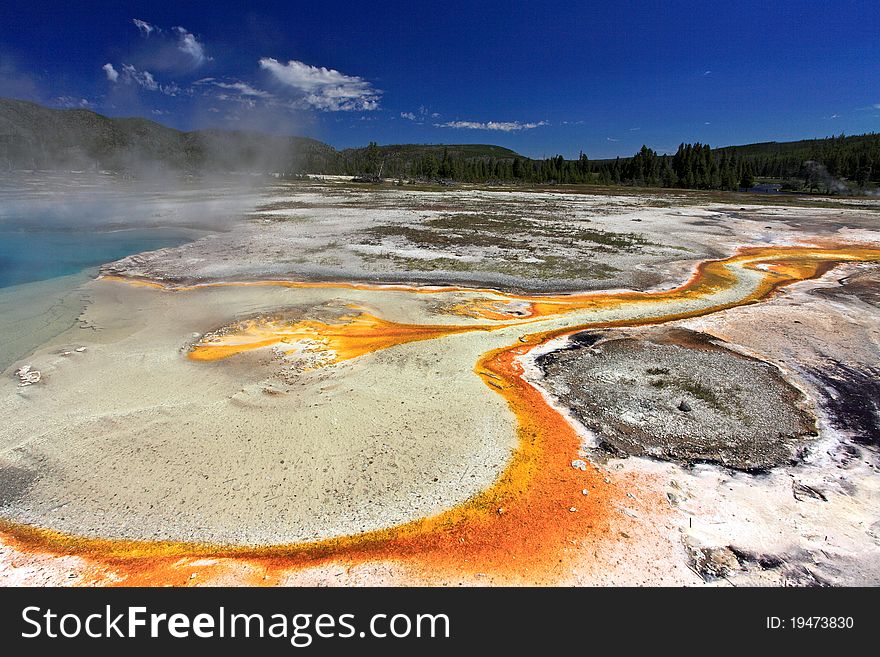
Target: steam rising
[(816, 177), (76, 201)]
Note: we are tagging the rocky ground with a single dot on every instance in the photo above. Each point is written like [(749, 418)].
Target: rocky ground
[(808, 522), (679, 395), (509, 239), (742, 446)]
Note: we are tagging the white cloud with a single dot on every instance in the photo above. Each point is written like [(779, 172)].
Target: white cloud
[(145, 79), (324, 88), (244, 100), (166, 44), (188, 44), (243, 88), (70, 102), (241, 92), (145, 28), (112, 73), (504, 126), (172, 89), (420, 115)]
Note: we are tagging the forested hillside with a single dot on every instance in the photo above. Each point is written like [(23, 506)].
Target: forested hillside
[(36, 137)]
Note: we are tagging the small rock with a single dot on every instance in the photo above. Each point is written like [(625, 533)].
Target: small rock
[(573, 510), (585, 492), (79, 350), (500, 510), (684, 407), (193, 576), (579, 464), (800, 490), (27, 376), (801, 576), (711, 562)]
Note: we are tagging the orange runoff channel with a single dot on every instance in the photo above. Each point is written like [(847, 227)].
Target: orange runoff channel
[(522, 526)]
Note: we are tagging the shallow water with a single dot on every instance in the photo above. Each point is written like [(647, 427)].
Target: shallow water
[(33, 313), (41, 271), (56, 230), (28, 254)]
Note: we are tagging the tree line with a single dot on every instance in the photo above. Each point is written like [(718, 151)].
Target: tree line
[(825, 165)]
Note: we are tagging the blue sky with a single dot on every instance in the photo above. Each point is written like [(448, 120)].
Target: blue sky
[(539, 77)]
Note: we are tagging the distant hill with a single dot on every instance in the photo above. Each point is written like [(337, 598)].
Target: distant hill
[(849, 160), (37, 137), (413, 151), (804, 147), (460, 161), (831, 165)]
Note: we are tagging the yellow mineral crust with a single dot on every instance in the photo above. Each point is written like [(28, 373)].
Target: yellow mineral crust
[(523, 518), (364, 332), (352, 336)]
